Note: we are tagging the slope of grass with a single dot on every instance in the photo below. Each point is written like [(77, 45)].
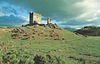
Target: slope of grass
[(74, 49)]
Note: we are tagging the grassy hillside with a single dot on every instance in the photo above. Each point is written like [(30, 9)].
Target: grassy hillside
[(34, 47)]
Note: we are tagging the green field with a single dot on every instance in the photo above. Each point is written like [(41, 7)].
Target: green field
[(72, 49)]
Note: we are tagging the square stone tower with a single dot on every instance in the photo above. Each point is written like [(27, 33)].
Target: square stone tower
[(35, 18)]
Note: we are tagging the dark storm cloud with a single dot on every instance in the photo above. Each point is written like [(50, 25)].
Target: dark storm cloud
[(61, 9)]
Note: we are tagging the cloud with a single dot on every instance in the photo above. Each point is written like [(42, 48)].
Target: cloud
[(11, 21), (59, 9), (11, 15), (79, 23), (63, 10), (91, 10)]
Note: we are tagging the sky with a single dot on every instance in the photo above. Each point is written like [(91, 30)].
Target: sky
[(66, 13)]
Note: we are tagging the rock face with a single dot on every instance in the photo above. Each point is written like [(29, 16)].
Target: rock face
[(36, 32), (53, 26)]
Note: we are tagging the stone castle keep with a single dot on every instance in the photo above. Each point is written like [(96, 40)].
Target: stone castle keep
[(36, 18)]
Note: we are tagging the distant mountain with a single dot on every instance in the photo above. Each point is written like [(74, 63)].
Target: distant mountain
[(89, 31)]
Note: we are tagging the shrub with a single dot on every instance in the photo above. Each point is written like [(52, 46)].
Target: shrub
[(21, 56)]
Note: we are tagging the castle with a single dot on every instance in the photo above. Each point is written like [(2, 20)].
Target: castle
[(36, 18)]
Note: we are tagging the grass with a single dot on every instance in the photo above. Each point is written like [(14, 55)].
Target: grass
[(74, 49)]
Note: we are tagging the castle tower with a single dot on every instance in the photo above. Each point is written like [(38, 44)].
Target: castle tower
[(35, 18), (49, 20), (31, 18)]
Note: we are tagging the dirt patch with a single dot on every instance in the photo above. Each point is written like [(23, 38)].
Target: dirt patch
[(5, 30)]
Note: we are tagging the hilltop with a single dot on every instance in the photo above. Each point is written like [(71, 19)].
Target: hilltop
[(37, 32)]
